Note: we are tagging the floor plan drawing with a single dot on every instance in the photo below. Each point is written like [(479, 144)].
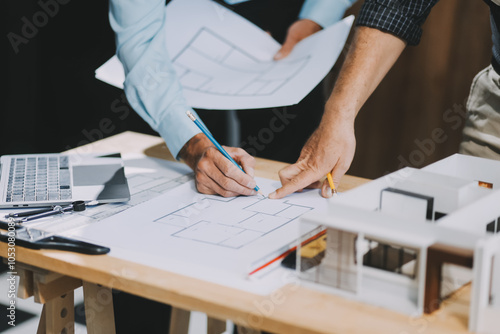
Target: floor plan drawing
[(225, 62), (201, 221), (208, 60), (219, 239)]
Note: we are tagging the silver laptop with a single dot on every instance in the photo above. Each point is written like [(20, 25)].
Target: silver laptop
[(39, 180)]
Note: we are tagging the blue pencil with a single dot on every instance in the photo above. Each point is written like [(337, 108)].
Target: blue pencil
[(217, 145)]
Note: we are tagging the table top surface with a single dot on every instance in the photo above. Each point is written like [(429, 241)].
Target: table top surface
[(291, 309)]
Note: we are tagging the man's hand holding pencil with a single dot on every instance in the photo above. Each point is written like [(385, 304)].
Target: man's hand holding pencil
[(214, 173), (227, 171)]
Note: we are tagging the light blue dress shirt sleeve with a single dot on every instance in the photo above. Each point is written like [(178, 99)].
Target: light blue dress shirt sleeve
[(325, 12), (151, 84)]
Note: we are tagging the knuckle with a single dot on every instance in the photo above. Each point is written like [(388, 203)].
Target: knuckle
[(226, 169), (211, 152), (226, 193), (230, 170), (201, 188), (312, 165), (225, 183), (198, 176), (344, 166), (202, 165)]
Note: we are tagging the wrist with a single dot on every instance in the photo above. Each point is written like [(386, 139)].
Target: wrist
[(194, 149), (335, 113), (311, 24)]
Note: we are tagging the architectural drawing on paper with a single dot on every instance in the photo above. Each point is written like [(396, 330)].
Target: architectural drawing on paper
[(249, 76), (408, 240), (148, 182), (252, 219), (225, 62)]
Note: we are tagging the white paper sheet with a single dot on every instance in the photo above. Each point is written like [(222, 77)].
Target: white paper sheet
[(224, 61), (208, 237)]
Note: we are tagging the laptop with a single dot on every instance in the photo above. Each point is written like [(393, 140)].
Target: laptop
[(42, 180)]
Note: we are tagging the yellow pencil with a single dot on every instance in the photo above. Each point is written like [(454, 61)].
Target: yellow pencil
[(330, 181)]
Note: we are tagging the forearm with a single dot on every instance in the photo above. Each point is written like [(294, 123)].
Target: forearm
[(370, 57), (331, 147), (384, 29), (151, 84)]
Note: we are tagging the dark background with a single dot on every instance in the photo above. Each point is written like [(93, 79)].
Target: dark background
[(51, 100)]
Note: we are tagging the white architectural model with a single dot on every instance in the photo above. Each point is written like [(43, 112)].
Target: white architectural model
[(395, 241)]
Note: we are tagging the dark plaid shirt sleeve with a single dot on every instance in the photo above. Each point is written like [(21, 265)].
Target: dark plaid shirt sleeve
[(402, 18)]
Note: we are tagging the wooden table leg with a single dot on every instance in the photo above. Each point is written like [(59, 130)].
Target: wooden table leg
[(55, 292), (179, 321), (42, 326), (25, 289), (99, 313), (58, 316), (215, 326)]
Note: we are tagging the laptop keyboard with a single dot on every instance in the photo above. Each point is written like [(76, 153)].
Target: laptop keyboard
[(39, 179)]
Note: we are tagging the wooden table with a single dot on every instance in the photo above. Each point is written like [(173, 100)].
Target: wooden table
[(50, 274)]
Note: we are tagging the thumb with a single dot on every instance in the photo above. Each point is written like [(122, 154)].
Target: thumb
[(286, 48)]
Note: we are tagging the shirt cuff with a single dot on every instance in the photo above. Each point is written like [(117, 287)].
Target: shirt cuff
[(176, 128), (375, 15), (324, 12)]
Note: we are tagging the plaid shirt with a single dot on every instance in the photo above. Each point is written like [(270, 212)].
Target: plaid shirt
[(402, 18)]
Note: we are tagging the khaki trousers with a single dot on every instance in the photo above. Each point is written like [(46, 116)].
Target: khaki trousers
[(481, 134)]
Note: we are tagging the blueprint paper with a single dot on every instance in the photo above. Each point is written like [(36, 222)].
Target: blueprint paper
[(224, 61), (207, 237)]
